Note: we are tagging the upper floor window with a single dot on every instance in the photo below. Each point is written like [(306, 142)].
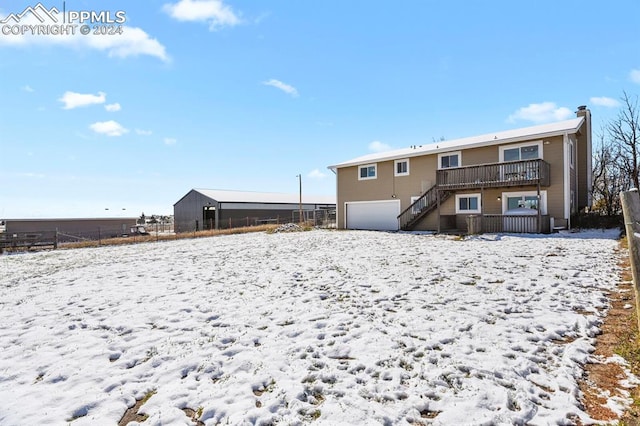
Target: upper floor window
[(402, 167), (525, 151), (368, 171), (449, 159)]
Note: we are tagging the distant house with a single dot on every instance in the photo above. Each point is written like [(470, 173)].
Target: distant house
[(215, 209), (525, 180)]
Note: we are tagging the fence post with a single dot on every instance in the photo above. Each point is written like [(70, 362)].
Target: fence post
[(631, 210), (474, 224)]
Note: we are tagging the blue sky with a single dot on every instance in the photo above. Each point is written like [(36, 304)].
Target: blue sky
[(245, 95)]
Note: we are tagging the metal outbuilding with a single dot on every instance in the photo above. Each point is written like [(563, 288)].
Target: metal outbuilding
[(71, 229), (216, 209)]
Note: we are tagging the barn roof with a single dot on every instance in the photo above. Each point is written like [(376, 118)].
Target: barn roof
[(226, 196)]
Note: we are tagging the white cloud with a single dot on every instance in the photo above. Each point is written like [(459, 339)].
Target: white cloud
[(132, 42), (109, 128), (170, 141), (634, 75), (32, 175), (214, 12), (540, 113), (143, 132), (604, 102), (316, 174), (74, 100), (28, 88), (282, 86), (113, 107), (377, 146)]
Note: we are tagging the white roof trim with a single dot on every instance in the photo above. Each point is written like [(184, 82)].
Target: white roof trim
[(534, 132)]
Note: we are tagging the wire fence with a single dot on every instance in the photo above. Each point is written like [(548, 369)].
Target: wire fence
[(94, 235), (320, 218), (28, 240), (84, 233)]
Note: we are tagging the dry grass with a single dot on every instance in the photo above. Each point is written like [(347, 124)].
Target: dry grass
[(619, 336), (132, 415), (167, 237)]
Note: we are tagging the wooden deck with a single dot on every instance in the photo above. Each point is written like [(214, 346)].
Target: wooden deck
[(494, 175)]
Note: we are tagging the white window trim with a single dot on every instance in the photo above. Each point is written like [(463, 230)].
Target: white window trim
[(477, 211), (375, 167), (447, 154), (395, 167), (502, 148), (572, 154), (543, 199)]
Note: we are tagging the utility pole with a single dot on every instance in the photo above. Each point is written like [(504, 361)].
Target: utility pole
[(300, 196)]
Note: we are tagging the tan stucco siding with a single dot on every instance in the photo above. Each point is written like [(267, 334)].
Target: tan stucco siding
[(422, 176), (582, 167), (553, 152), (353, 189), (484, 155), (573, 175)]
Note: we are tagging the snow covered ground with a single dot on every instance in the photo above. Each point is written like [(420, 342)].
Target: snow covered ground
[(322, 327)]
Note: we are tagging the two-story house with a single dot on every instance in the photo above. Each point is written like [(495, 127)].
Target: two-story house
[(524, 180)]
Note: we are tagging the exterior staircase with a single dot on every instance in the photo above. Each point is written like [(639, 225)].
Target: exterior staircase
[(492, 175), (410, 217)]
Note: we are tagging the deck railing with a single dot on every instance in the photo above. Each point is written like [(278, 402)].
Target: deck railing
[(513, 173), (496, 223)]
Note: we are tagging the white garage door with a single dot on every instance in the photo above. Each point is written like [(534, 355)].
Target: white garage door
[(377, 215)]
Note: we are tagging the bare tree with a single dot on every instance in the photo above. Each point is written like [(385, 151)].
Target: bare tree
[(624, 134), (608, 179)]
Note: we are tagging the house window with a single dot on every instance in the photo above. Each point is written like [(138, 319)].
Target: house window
[(449, 159), (402, 167), (368, 171), (527, 151), (468, 203), (524, 199), (571, 155)]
